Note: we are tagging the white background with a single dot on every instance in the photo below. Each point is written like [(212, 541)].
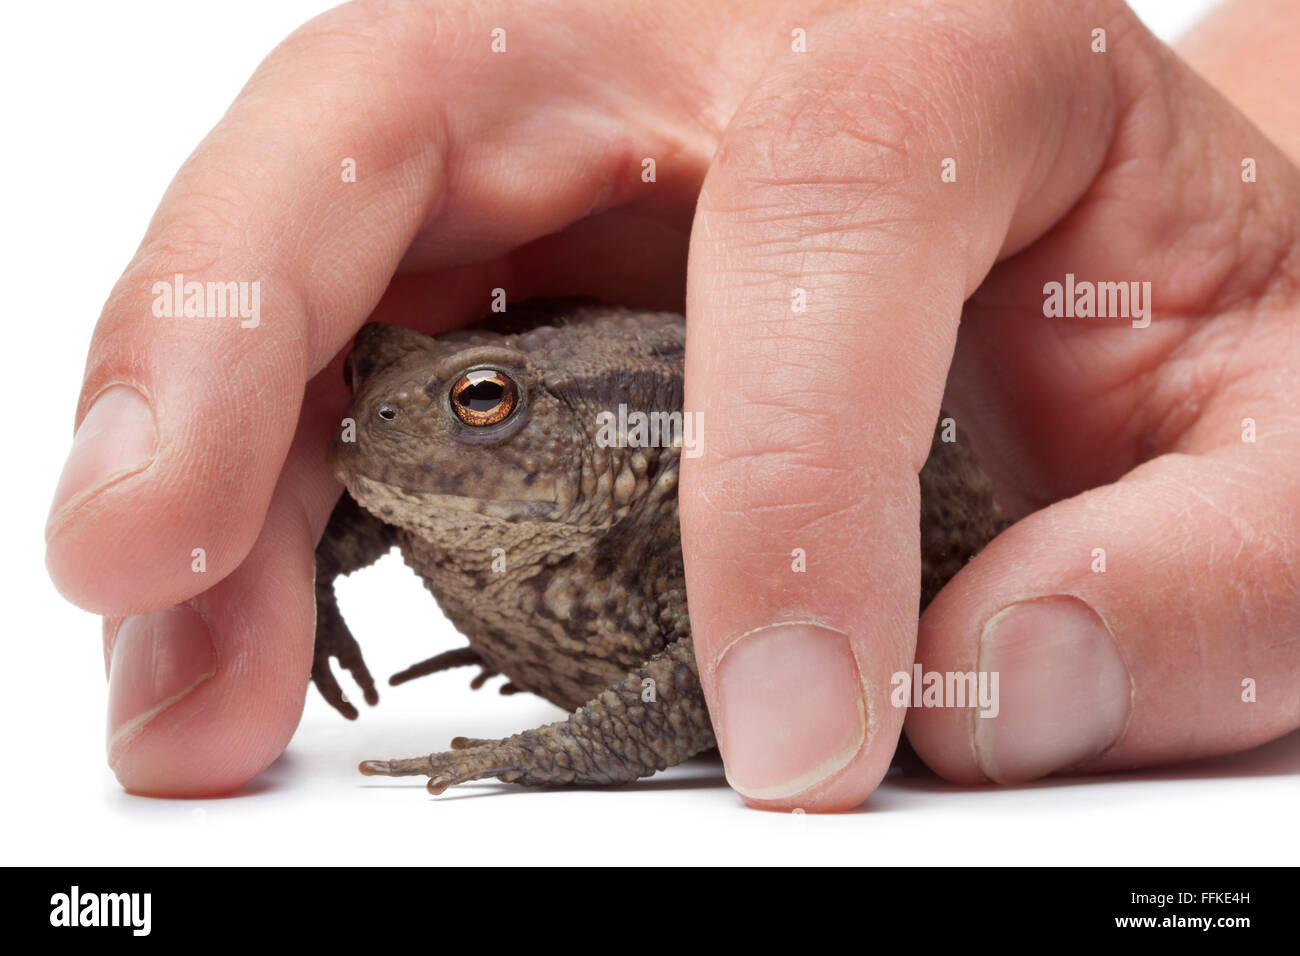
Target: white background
[(102, 102)]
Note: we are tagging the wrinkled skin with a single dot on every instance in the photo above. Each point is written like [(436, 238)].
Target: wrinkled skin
[(556, 554)]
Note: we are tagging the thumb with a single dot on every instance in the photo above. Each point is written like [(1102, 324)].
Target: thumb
[(1106, 654)]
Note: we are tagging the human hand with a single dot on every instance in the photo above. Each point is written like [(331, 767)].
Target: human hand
[(1142, 610), (473, 170), (478, 170)]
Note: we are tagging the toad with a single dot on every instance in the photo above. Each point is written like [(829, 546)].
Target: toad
[(486, 456)]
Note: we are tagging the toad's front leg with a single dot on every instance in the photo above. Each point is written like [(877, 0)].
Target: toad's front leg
[(652, 719), (353, 539)]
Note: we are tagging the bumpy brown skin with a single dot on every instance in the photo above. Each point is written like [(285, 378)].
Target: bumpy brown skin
[(589, 608)]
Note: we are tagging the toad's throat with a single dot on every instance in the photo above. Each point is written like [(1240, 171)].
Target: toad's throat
[(391, 502)]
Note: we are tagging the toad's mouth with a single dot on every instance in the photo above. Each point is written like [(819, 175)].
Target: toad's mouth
[(397, 505)]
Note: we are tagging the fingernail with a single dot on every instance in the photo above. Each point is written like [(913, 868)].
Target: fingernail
[(1065, 694), (158, 659), (792, 712), (117, 436)]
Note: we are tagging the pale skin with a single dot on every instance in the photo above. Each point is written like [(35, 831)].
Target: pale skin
[(818, 170)]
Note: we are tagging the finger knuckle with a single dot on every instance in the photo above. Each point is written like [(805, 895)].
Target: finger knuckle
[(192, 232), (385, 38), (800, 148), (836, 122), (801, 451), (360, 26)]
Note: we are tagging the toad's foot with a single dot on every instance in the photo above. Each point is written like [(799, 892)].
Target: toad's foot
[(488, 759), (460, 657), (652, 719), (333, 639), (353, 539)]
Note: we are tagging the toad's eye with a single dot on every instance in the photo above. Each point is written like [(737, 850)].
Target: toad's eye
[(484, 396)]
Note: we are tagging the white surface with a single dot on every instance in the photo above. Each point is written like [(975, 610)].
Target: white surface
[(102, 103)]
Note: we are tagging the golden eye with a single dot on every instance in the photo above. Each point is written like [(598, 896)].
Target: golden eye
[(484, 397)]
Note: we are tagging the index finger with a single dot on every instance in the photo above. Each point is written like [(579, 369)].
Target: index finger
[(277, 238)]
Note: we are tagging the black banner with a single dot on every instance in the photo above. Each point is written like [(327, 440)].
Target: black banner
[(405, 906)]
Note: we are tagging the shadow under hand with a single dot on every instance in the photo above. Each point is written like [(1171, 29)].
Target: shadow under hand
[(1277, 758)]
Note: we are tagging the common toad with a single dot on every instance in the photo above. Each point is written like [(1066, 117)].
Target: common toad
[(485, 455)]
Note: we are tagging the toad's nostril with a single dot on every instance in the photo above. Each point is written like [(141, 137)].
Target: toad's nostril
[(387, 412)]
